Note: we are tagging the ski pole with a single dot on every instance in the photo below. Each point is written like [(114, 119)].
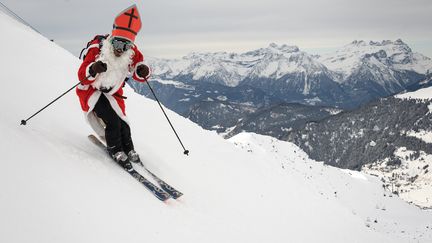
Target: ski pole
[(24, 122), (186, 152)]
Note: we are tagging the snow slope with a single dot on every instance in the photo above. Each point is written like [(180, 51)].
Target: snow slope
[(55, 186), (378, 208), (423, 94)]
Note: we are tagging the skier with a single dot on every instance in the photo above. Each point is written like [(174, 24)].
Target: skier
[(109, 61)]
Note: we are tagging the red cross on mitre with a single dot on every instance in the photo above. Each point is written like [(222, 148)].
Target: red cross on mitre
[(127, 24)]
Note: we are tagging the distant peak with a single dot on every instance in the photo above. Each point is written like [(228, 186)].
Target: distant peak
[(284, 47), (273, 45), (389, 42), (358, 42), (400, 42), (378, 43)]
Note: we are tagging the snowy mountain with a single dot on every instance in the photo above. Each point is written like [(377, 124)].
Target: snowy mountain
[(351, 76), (219, 68), (410, 177), (388, 138), (395, 55), (231, 69), (56, 186), (221, 91), (293, 75), (283, 72), (217, 90), (377, 69)]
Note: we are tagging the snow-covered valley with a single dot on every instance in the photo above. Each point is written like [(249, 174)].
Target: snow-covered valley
[(56, 186)]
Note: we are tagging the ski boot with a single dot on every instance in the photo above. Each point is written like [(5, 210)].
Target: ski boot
[(122, 159), (134, 157)]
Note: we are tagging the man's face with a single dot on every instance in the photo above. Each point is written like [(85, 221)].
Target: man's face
[(120, 46), (118, 53)]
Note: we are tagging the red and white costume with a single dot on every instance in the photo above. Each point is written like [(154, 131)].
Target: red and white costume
[(118, 69), (126, 26)]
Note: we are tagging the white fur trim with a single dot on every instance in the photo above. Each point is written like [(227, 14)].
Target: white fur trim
[(89, 77), (93, 99), (83, 87), (91, 117), (95, 124), (96, 45), (88, 48)]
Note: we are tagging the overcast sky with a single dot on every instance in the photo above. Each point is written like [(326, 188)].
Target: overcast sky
[(172, 28)]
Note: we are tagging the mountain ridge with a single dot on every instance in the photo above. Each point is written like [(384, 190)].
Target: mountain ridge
[(353, 75)]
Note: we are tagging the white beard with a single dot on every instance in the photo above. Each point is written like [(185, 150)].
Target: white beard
[(118, 68)]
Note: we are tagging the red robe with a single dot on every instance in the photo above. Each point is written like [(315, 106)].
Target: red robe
[(89, 95)]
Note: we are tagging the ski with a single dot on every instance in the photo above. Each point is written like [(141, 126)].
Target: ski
[(156, 191), (165, 186)]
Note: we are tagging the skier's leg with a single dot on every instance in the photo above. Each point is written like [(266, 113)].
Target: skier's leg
[(126, 137), (128, 144), (113, 138)]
